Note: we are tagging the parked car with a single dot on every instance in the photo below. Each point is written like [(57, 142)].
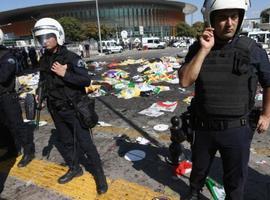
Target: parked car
[(110, 46), (179, 44), (153, 43), (261, 37)]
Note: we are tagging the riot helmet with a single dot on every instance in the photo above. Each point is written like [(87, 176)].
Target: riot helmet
[(210, 6), (1, 37), (46, 28)]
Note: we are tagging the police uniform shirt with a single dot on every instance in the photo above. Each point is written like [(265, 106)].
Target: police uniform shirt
[(75, 79), (7, 71), (258, 59)]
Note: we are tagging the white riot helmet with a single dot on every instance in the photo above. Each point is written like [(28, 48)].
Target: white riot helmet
[(45, 27), (212, 5), (1, 37)]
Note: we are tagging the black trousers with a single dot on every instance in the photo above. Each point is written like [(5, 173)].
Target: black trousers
[(12, 122), (234, 147), (67, 124)]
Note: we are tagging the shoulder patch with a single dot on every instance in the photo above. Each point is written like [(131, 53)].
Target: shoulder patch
[(81, 63), (11, 61)]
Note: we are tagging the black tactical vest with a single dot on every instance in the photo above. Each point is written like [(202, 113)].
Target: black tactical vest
[(9, 85), (226, 85)]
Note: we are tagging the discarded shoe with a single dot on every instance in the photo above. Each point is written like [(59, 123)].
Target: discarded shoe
[(71, 173), (26, 159)]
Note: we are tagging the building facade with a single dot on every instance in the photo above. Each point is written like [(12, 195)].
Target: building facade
[(265, 19), (157, 17)]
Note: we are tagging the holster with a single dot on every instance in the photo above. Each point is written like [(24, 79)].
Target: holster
[(254, 118), (187, 125)]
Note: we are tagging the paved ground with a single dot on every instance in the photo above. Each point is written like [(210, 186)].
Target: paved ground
[(142, 180)]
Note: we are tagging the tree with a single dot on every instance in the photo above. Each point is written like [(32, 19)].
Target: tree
[(198, 28), (73, 28), (91, 31), (183, 29)]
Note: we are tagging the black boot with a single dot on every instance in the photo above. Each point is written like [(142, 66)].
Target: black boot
[(101, 182), (193, 195), (26, 159), (71, 173)]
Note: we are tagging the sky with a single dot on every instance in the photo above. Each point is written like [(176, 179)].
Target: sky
[(254, 12)]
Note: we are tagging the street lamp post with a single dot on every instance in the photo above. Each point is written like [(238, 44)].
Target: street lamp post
[(99, 33)]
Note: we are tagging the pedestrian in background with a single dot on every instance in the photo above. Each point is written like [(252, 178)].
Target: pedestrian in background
[(87, 50), (225, 69)]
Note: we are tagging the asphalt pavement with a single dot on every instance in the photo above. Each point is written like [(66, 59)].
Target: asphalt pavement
[(148, 178)]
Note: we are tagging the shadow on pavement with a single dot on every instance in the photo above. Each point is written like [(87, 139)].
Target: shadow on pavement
[(54, 142), (9, 149), (4, 171), (257, 186), (154, 165)]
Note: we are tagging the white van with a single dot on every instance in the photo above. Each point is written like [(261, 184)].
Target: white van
[(260, 36), (153, 43), (110, 46)]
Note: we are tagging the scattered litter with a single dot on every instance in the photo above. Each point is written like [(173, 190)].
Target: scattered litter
[(142, 140), (188, 100), (27, 84), (28, 183), (168, 106), (173, 81), (252, 150), (41, 123), (151, 112), (138, 78), (184, 167), (155, 110), (261, 162), (161, 127), (97, 66), (113, 65), (116, 73), (101, 123), (217, 190), (182, 89), (135, 155)]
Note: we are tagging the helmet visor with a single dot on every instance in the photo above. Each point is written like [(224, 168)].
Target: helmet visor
[(41, 39)]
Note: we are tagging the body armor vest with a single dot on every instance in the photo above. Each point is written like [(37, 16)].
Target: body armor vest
[(9, 85), (226, 85)]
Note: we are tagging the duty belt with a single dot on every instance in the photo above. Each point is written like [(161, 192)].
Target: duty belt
[(220, 125), (6, 93), (63, 106)]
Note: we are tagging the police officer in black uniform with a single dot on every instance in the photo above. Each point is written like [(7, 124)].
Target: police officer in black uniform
[(64, 78), (225, 69), (11, 115)]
